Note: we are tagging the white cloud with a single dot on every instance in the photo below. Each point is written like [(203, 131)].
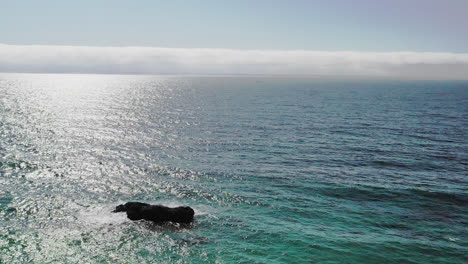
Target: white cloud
[(149, 60)]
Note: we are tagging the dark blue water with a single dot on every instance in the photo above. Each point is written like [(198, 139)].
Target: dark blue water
[(278, 170)]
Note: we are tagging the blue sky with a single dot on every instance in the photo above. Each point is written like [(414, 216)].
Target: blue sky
[(416, 39), (356, 25)]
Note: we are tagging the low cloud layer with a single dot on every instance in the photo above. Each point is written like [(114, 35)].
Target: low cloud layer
[(149, 60)]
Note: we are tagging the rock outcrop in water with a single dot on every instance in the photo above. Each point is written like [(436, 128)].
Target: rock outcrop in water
[(156, 213)]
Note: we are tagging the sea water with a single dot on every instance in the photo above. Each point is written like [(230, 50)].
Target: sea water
[(278, 170)]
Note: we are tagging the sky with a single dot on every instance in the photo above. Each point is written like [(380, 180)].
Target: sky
[(376, 37)]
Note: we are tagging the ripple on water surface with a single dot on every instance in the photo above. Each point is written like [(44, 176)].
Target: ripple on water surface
[(278, 170)]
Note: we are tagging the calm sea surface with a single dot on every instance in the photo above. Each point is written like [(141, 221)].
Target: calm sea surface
[(278, 170)]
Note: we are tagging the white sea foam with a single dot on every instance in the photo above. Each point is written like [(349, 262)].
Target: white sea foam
[(102, 215)]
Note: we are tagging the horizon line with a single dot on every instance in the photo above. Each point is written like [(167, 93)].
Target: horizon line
[(223, 61)]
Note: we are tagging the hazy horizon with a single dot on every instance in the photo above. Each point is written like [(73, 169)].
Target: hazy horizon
[(184, 61), (397, 39)]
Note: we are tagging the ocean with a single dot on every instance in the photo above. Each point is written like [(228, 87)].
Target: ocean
[(277, 169)]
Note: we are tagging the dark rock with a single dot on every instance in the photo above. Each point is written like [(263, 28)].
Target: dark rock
[(156, 213)]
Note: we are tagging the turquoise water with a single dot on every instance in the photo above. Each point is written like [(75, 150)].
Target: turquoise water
[(278, 170)]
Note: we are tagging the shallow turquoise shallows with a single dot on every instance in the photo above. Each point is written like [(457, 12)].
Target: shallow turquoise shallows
[(278, 170)]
